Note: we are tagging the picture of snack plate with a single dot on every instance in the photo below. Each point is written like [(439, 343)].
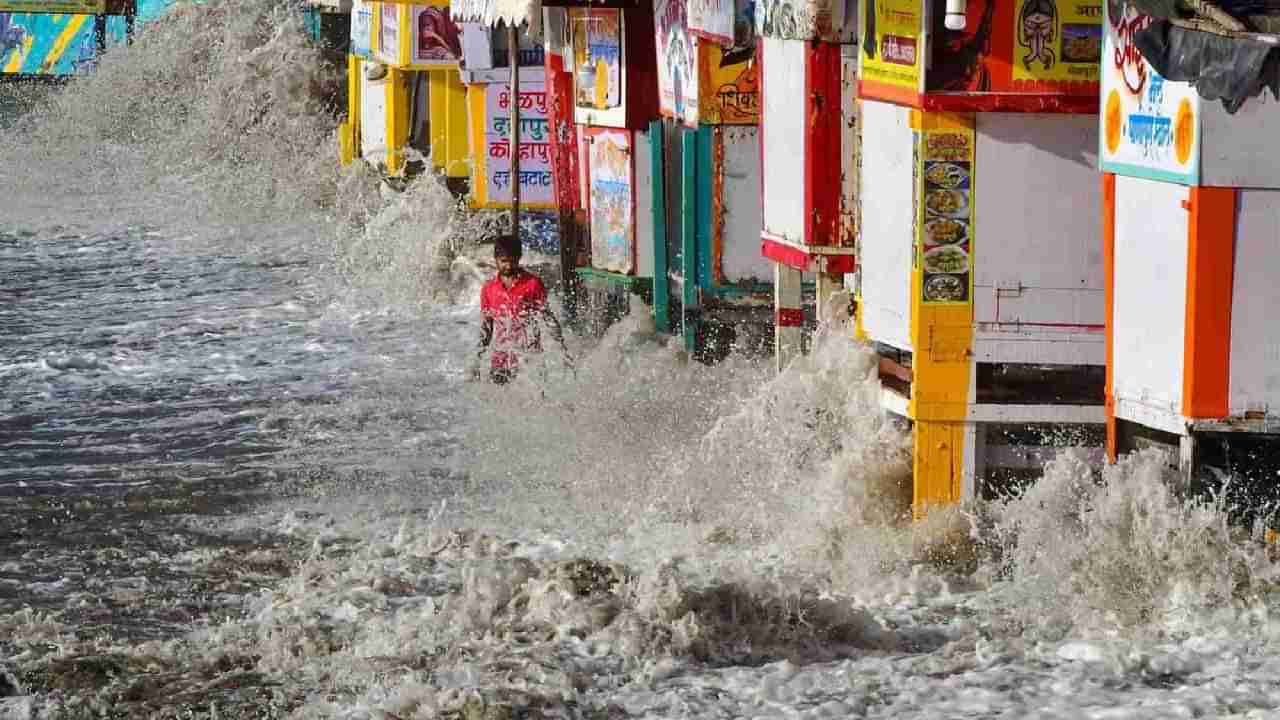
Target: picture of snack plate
[(1081, 43), (946, 175), (946, 259), (945, 231), (946, 203), (946, 288)]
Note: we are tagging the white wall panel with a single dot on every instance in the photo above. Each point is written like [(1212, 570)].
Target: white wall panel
[(641, 151), (1038, 203), (741, 259), (373, 117), (1255, 328), (782, 127), (1150, 292), (887, 245)]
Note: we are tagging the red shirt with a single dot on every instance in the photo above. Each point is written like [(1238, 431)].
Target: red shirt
[(512, 309)]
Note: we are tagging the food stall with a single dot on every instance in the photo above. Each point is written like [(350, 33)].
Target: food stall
[(602, 97), (705, 165), (809, 155), (404, 89), (1191, 191), (980, 283)]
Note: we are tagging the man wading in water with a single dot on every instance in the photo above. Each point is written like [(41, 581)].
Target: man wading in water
[(511, 306)]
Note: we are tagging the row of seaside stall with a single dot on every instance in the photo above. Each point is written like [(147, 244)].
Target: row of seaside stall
[(1048, 243)]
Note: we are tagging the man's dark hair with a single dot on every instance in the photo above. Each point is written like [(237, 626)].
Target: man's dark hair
[(507, 246)]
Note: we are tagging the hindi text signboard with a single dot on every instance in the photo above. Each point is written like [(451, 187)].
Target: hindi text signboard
[(1150, 126), (536, 188)]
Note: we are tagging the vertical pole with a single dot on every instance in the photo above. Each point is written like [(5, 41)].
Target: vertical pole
[(513, 58), (1188, 462), (828, 284), (130, 19), (688, 238), (661, 281), (788, 314)]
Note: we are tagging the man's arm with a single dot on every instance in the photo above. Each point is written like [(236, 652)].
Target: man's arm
[(486, 334)]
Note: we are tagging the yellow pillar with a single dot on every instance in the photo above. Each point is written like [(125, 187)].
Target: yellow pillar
[(349, 133), (942, 338), (457, 148), (438, 106), (397, 88), (476, 127)]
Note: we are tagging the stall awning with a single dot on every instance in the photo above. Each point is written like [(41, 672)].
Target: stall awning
[(499, 12)]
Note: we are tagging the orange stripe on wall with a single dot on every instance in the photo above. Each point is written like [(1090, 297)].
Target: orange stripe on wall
[(1109, 271), (1210, 265)]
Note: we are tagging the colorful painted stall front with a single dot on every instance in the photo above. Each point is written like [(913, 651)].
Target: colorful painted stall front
[(980, 282), (58, 38), (1191, 222), (602, 97), (809, 133), (405, 93), (705, 165)]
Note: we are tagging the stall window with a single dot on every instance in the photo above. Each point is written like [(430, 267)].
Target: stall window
[(597, 58)]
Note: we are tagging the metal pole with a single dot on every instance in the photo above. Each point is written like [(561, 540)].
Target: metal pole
[(513, 58)]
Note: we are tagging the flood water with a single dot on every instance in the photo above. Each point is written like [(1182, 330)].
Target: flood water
[(242, 474)]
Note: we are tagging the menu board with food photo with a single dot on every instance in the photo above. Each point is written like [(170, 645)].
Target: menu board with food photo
[(1057, 42), (946, 238)]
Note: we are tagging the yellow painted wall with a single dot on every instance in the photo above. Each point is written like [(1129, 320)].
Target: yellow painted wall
[(457, 148)]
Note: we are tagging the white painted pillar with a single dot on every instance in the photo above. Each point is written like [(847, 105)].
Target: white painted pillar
[(1187, 461), (827, 286), (975, 460), (788, 314)]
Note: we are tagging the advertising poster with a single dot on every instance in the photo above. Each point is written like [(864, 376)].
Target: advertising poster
[(437, 39), (946, 225), (389, 34), (677, 63), (1056, 43), (362, 29), (597, 58), (535, 145), (1150, 126), (891, 44), (609, 164), (730, 93)]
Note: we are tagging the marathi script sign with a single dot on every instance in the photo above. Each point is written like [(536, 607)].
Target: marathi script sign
[(677, 63), (535, 145), (612, 238), (1150, 126), (730, 93), (891, 44)]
